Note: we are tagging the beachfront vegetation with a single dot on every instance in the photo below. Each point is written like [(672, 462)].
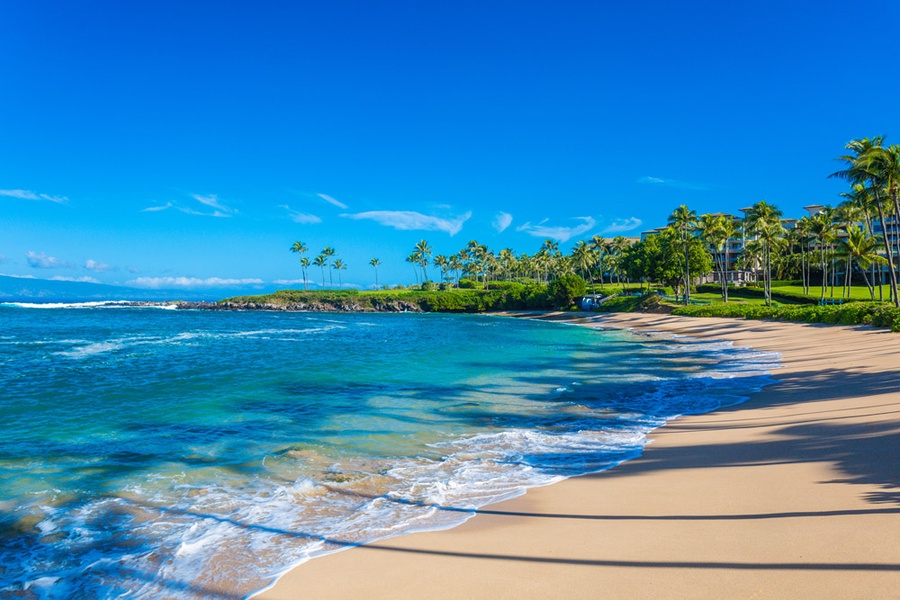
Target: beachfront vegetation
[(836, 254)]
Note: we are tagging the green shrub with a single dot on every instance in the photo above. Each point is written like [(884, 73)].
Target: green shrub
[(853, 313), (566, 289)]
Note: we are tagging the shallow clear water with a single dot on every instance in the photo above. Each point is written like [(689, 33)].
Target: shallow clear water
[(152, 453)]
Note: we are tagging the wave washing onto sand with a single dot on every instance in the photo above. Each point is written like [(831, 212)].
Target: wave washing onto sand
[(191, 524)]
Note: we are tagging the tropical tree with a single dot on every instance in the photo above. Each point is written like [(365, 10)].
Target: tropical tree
[(878, 169), (716, 230), (442, 262), (825, 232), (683, 221), (456, 265), (583, 257), (601, 248), (300, 248), (422, 252), (861, 246), (375, 263), (321, 261), (328, 252), (763, 221), (339, 265)]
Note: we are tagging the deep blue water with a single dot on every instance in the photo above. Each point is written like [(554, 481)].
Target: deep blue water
[(154, 453)]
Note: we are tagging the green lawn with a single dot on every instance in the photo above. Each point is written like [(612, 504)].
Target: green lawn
[(857, 292)]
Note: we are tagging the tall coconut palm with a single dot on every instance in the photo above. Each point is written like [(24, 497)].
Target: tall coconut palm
[(300, 248), (861, 246), (584, 258), (413, 259), (763, 221), (339, 265), (456, 265), (714, 231), (862, 197), (442, 262), (375, 263), (423, 251), (684, 222), (825, 231), (328, 252), (870, 164), (304, 267), (321, 261), (601, 248)]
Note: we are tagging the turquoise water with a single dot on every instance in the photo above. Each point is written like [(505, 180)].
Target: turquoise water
[(153, 453)]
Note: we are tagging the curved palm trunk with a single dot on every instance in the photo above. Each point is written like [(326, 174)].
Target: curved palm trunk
[(888, 251)]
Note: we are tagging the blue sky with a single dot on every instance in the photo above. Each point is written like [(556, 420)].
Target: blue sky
[(173, 144)]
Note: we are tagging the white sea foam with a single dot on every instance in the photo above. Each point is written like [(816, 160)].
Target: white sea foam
[(270, 523), (94, 304)]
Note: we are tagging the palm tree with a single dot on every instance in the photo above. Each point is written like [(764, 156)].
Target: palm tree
[(763, 220), (716, 231), (304, 266), (300, 248), (456, 265), (375, 262), (601, 248), (413, 259), (584, 258), (443, 263), (824, 230), (328, 252), (684, 221), (877, 168), (423, 251), (339, 265), (861, 246), (321, 261)]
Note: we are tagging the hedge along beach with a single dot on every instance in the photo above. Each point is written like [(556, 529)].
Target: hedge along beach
[(793, 494)]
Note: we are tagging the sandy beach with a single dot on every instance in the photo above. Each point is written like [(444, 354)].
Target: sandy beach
[(793, 494)]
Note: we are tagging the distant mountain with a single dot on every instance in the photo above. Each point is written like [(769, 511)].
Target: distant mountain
[(18, 289)]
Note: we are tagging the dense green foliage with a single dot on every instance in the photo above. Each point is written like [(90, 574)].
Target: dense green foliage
[(855, 313), (565, 290), (512, 296)]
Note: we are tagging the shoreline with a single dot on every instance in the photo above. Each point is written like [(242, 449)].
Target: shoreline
[(793, 493)]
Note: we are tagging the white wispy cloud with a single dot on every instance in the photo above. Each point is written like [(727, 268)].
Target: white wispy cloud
[(212, 201), (84, 279), (502, 220), (29, 195), (42, 261), (211, 206), (673, 183), (560, 234), (96, 266), (622, 225), (189, 282), (158, 208), (292, 281), (331, 200), (407, 220), (300, 217)]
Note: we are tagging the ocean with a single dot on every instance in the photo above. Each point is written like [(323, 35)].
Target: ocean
[(150, 453)]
